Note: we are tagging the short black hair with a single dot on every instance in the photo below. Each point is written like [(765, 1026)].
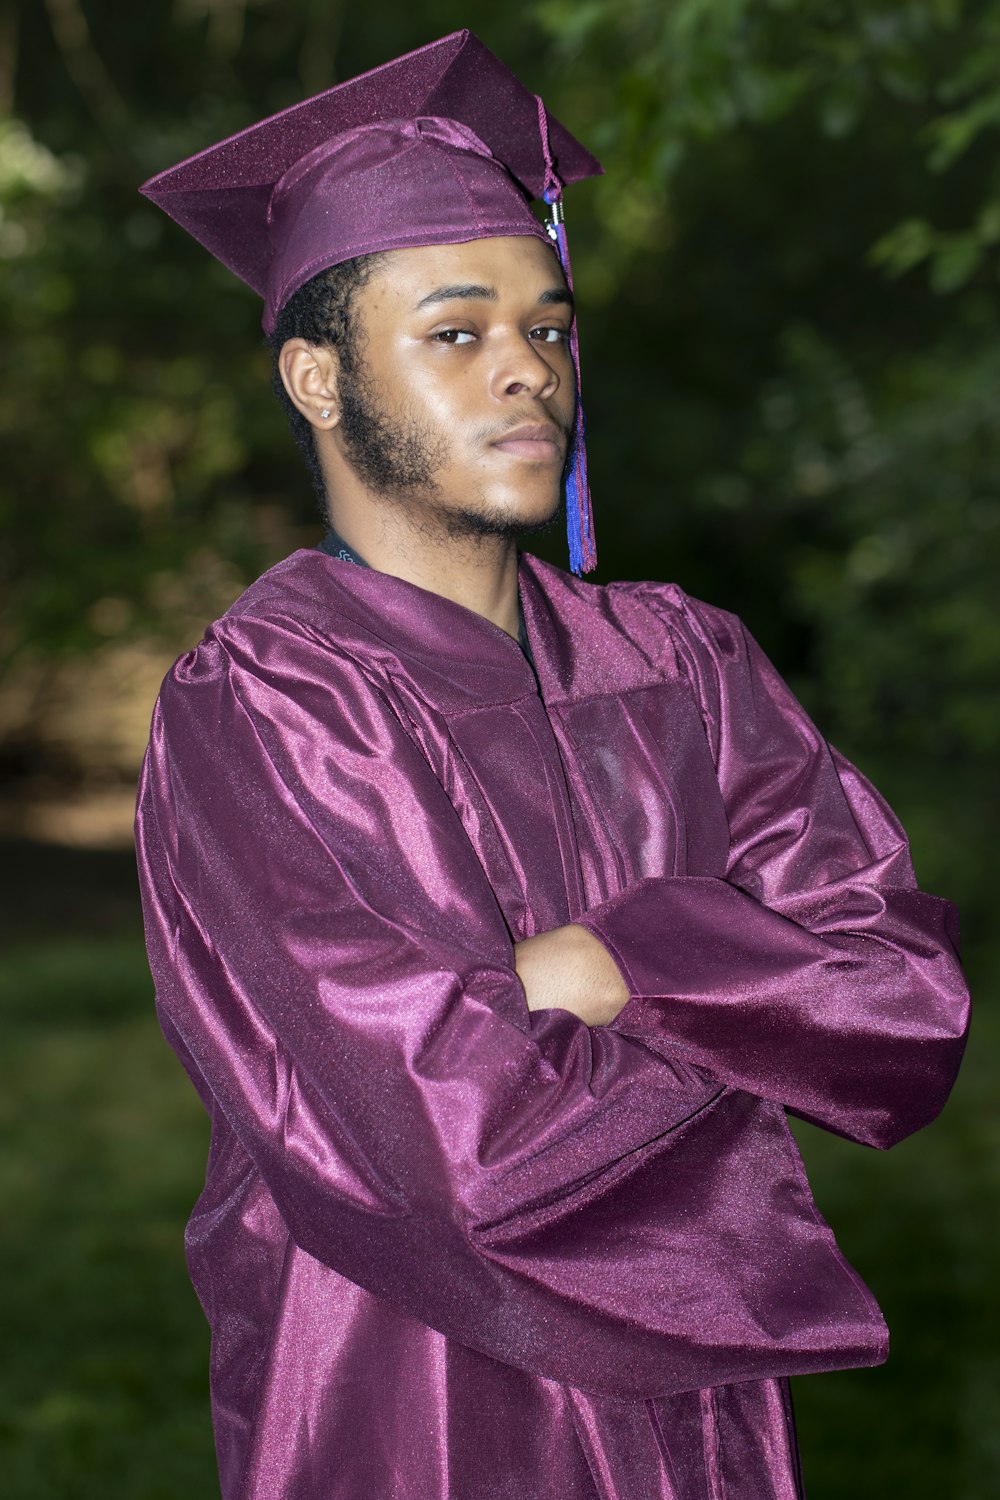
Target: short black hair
[(321, 312)]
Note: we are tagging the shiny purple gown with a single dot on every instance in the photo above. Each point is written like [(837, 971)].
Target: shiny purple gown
[(451, 1250)]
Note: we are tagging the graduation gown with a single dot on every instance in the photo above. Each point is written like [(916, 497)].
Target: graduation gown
[(450, 1249)]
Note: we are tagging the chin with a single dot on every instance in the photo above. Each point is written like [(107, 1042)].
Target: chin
[(535, 525), (505, 523)]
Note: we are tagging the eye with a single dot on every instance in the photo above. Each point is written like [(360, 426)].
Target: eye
[(549, 335), (453, 336)]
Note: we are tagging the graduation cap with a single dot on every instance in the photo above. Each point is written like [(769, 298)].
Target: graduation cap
[(441, 146)]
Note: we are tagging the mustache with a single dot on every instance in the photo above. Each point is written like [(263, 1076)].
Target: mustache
[(494, 431)]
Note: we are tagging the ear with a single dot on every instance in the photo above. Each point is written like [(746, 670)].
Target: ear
[(309, 373)]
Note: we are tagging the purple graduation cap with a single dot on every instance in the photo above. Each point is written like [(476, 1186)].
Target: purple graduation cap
[(438, 147)]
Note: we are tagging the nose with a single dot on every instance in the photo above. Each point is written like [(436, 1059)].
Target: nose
[(522, 369)]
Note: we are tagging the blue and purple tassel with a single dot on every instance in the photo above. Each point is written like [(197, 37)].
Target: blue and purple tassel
[(579, 511)]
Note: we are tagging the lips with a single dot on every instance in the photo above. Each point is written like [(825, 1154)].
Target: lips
[(539, 441)]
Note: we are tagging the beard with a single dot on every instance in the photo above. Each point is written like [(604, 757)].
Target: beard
[(392, 458), (397, 459)]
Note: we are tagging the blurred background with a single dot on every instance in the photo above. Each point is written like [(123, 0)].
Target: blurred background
[(789, 300)]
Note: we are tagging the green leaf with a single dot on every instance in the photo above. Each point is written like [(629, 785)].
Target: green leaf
[(955, 262), (903, 247)]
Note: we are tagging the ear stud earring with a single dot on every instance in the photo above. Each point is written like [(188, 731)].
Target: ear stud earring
[(325, 413)]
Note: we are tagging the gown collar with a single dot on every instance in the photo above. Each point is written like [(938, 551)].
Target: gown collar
[(585, 640), (333, 545)]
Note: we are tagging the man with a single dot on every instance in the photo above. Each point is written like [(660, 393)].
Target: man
[(496, 917)]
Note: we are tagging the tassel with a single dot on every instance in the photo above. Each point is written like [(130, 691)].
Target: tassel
[(579, 510)]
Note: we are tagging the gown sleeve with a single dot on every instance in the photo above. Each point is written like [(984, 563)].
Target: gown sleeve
[(814, 974), (332, 967)]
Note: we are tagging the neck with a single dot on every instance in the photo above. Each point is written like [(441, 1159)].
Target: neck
[(478, 572)]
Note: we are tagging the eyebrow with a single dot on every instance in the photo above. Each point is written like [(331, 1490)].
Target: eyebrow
[(472, 292), (468, 292)]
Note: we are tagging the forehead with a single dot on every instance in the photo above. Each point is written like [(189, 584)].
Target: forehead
[(513, 265)]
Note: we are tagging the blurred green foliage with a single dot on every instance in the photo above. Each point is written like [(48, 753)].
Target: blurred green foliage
[(788, 284), (789, 295)]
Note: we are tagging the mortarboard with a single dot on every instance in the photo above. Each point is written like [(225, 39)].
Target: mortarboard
[(441, 146)]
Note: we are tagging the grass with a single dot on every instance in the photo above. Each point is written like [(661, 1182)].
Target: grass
[(104, 1389)]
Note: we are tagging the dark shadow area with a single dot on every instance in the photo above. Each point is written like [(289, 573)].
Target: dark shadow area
[(50, 892)]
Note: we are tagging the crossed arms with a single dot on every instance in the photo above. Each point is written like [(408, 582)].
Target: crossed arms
[(363, 1035)]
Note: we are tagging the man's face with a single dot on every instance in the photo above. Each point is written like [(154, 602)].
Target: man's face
[(461, 403)]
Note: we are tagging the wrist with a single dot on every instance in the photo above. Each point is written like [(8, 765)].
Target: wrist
[(570, 969)]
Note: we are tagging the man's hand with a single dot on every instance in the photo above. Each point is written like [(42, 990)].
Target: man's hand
[(568, 969)]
